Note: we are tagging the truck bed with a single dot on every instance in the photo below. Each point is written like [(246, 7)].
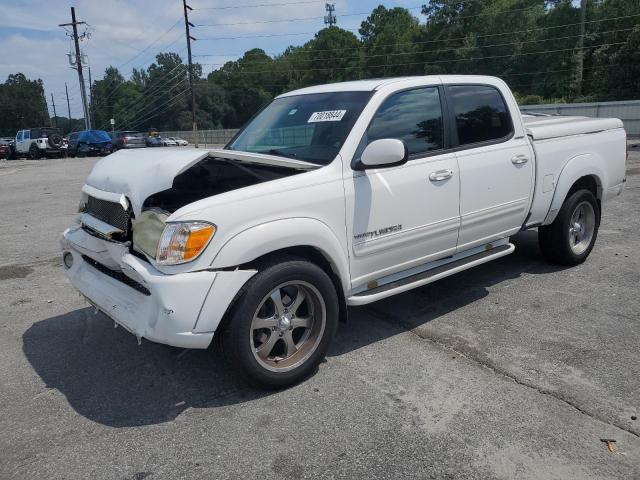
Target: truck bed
[(541, 127)]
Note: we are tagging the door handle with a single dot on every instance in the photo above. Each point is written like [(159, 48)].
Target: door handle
[(440, 175), (520, 159)]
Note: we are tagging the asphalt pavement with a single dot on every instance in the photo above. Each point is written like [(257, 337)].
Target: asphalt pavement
[(513, 370)]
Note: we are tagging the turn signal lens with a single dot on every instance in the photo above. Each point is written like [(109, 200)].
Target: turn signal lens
[(183, 242)]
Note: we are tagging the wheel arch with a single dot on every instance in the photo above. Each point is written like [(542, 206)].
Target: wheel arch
[(304, 238), (581, 172)]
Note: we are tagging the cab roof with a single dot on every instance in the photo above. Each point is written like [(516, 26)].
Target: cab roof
[(376, 83)]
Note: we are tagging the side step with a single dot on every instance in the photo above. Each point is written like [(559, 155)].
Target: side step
[(428, 276)]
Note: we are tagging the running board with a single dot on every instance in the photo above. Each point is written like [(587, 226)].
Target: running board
[(428, 276)]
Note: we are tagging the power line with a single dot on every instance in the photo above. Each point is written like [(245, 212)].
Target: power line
[(153, 89), (417, 7), (439, 50), (321, 17), (456, 19), (146, 116), (423, 42), (145, 49), (424, 63), (147, 100), (260, 5), (108, 94), (140, 104), (507, 75)]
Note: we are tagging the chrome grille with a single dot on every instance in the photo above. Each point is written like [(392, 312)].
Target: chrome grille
[(109, 212)]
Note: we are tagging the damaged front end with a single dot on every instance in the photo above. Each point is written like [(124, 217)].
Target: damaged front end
[(116, 251)]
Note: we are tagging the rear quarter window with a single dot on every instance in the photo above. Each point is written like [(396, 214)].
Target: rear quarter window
[(480, 113)]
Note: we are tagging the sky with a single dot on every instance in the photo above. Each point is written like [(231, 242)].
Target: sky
[(129, 34)]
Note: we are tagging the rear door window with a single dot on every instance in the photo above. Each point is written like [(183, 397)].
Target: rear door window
[(413, 116), (480, 113)]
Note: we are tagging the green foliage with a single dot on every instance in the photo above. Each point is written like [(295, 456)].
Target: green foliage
[(532, 44), (23, 105)]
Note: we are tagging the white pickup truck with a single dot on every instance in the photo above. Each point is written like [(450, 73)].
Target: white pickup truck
[(331, 196)]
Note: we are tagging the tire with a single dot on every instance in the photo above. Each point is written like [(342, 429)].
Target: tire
[(55, 140), (572, 235), (34, 152), (260, 340)]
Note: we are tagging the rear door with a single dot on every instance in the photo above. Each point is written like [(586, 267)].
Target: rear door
[(402, 216), (495, 161)]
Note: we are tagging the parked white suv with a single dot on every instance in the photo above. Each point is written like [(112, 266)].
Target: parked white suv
[(333, 195), (39, 142)]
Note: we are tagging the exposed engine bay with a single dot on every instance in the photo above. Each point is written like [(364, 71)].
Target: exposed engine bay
[(213, 176)]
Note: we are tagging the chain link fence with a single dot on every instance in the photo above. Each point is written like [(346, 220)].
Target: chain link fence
[(205, 137)]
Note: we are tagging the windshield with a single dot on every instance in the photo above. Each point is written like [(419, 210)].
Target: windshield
[(309, 127)]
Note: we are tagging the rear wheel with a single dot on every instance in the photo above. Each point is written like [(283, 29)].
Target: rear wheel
[(34, 152), (572, 235), (282, 323)]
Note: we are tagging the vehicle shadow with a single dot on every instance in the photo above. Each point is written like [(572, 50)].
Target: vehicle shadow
[(109, 379), (422, 305)]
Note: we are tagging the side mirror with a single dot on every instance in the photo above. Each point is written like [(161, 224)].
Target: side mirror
[(386, 152)]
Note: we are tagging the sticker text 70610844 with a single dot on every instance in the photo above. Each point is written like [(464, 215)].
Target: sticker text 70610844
[(327, 116)]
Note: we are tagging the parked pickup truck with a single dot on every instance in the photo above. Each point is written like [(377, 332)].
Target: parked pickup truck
[(332, 196)]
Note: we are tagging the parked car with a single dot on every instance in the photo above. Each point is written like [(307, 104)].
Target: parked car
[(334, 195), (179, 141), (38, 143), (168, 142), (153, 141), (127, 139), (5, 147), (89, 143)]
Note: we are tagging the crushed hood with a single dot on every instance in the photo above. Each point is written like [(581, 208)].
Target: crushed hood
[(137, 174)]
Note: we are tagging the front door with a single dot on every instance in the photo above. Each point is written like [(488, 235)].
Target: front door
[(496, 165), (22, 145), (400, 217), (26, 141)]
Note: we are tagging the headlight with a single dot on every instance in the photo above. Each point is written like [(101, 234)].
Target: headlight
[(183, 242)]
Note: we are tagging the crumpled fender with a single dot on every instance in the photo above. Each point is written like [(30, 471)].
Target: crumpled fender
[(276, 235), (579, 166)]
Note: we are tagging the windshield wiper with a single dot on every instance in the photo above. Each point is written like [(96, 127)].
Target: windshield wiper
[(275, 151)]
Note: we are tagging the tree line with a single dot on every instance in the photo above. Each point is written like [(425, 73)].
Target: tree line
[(535, 46)]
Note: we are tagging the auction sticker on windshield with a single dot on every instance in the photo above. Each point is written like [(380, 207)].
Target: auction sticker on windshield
[(327, 116)]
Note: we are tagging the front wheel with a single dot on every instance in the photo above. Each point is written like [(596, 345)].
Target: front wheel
[(281, 324), (572, 235)]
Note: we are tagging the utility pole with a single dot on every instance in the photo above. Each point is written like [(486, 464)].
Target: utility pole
[(330, 18), (68, 107), (187, 24), (78, 62), (92, 113), (55, 115), (580, 67)]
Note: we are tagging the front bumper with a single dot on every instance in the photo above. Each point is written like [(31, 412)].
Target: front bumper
[(182, 310)]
